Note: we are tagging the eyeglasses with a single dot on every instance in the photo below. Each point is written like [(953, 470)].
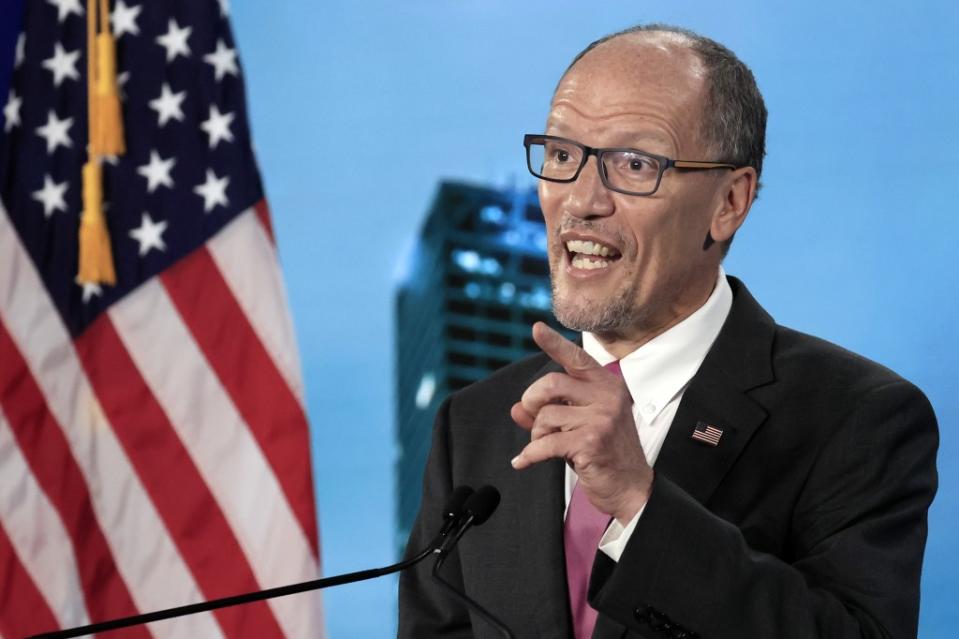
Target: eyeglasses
[(628, 171)]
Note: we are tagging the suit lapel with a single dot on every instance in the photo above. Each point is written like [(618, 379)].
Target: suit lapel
[(738, 362), (540, 558)]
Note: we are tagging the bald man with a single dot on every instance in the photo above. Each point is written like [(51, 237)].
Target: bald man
[(691, 468)]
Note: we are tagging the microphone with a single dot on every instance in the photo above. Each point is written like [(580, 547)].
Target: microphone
[(454, 508), (476, 511), (458, 505)]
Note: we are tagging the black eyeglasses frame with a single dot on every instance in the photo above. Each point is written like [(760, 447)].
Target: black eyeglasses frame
[(664, 162)]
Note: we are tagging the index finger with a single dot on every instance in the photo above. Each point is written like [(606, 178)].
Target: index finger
[(567, 354)]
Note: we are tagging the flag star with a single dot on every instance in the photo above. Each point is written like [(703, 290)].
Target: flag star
[(122, 79), (213, 191), (149, 234), (66, 7), (157, 172), (90, 290), (63, 64), (11, 112), (55, 132), (224, 8), (174, 41), (51, 196), (223, 60), (217, 126), (124, 19), (168, 105), (21, 48)]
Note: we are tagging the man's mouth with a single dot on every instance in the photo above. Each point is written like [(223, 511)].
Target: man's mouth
[(589, 255)]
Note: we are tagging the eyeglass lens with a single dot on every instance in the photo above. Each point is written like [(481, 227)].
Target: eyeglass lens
[(625, 170)]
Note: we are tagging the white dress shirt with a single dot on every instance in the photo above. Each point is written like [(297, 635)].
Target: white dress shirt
[(657, 373)]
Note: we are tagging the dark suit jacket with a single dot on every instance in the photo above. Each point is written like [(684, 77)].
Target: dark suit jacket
[(807, 520)]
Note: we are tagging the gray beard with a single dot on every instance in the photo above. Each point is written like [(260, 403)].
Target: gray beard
[(612, 318)]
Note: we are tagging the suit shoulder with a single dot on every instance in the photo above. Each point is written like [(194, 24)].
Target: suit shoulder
[(825, 364), (503, 386)]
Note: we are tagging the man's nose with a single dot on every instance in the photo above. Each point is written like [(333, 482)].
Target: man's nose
[(588, 196)]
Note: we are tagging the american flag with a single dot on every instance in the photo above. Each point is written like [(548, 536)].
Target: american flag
[(154, 448), (707, 433)]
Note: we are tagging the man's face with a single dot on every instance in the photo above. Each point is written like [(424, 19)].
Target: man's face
[(645, 95)]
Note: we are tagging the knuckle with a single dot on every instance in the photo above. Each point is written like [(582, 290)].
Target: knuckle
[(552, 381), (591, 439), (581, 463)]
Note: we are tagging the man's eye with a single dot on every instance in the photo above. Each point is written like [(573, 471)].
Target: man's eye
[(640, 164), (558, 154)]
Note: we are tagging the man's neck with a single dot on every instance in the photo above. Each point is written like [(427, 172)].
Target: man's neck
[(622, 343)]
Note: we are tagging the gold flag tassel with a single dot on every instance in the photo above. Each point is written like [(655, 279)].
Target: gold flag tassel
[(107, 135), (105, 138), (96, 258)]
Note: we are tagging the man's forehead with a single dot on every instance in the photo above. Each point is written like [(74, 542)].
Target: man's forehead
[(658, 56), (621, 71)]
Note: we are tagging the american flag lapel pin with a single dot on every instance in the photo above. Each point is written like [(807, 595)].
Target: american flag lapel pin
[(707, 433)]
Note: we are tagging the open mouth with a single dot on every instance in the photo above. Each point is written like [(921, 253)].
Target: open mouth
[(590, 255)]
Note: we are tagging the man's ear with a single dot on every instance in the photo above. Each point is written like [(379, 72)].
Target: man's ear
[(738, 193)]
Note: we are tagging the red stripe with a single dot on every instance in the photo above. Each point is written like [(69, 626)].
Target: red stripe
[(48, 454), (249, 375), (23, 610), (188, 509), (263, 213)]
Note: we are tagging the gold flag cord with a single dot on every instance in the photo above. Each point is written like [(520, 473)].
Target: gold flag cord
[(105, 127)]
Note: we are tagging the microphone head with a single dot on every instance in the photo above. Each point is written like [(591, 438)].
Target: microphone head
[(481, 504), (454, 507)]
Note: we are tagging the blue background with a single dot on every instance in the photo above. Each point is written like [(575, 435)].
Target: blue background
[(359, 108)]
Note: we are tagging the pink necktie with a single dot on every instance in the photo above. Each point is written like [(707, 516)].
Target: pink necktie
[(583, 529)]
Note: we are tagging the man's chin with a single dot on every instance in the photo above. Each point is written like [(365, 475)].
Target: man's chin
[(589, 317)]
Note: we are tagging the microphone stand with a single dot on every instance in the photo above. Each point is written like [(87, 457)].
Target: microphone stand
[(269, 593)]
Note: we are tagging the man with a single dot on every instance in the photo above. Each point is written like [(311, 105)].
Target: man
[(730, 477)]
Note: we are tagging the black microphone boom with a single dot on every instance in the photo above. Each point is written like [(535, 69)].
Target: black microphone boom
[(476, 511), (454, 510)]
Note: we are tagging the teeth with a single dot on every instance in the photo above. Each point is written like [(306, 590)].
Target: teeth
[(587, 264), (586, 247)]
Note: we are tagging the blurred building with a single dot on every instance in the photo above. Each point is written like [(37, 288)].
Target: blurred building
[(474, 283)]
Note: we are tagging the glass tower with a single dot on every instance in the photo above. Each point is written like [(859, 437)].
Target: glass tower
[(473, 285)]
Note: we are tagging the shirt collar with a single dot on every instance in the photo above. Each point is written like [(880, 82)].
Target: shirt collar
[(662, 367)]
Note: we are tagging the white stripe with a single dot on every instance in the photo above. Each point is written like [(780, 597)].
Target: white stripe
[(247, 259), (145, 555), (221, 445), (37, 534)]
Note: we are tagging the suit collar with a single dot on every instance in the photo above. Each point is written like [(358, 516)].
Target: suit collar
[(739, 361)]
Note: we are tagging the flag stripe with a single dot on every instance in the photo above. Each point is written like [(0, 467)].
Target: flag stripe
[(36, 534), (173, 481), (245, 255), (263, 214), (19, 593), (148, 560), (218, 440), (224, 334), (47, 453)]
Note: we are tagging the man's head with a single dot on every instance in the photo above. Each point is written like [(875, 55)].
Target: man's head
[(670, 93)]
